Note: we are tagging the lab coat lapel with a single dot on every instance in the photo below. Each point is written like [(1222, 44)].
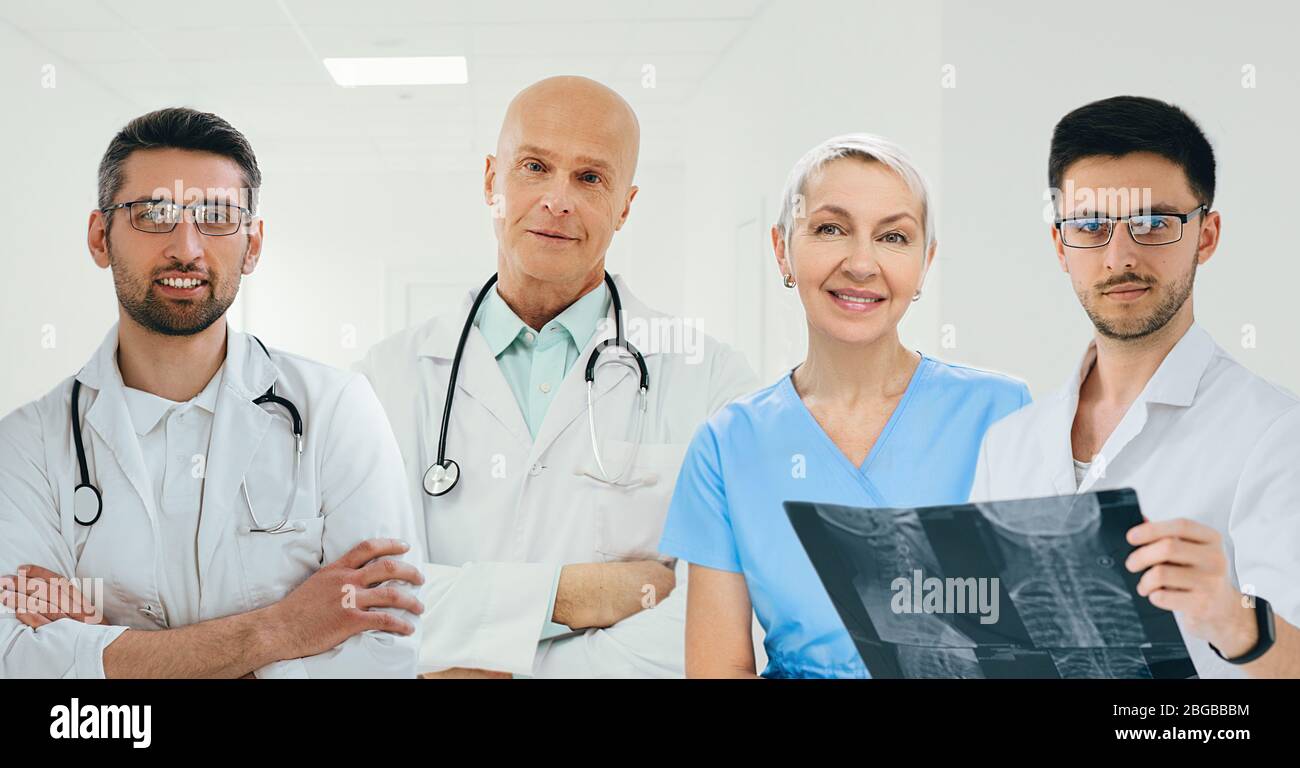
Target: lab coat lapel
[(1058, 452), (570, 402), (1129, 427), (238, 427), (108, 418), (1174, 384), (479, 376)]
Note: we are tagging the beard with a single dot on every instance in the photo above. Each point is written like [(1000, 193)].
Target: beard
[(1127, 329), (172, 317)]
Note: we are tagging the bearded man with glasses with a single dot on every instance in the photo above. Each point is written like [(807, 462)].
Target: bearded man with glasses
[(1212, 450)]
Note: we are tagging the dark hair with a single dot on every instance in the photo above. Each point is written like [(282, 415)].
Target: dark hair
[(177, 128), (1122, 124)]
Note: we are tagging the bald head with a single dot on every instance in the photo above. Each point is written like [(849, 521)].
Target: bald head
[(593, 113), (560, 186)]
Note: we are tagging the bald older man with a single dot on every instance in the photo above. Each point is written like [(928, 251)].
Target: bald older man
[(544, 553)]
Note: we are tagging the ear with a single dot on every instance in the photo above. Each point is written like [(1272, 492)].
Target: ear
[(254, 252), (1209, 236), (778, 248), (97, 238), (489, 177), (627, 206), (1060, 250)]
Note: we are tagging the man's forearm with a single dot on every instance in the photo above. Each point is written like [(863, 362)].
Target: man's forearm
[(603, 594), (232, 646)]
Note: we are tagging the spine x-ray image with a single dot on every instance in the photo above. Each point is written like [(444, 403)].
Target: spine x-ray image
[(1024, 588)]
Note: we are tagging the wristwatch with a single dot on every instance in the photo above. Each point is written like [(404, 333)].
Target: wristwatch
[(1267, 634)]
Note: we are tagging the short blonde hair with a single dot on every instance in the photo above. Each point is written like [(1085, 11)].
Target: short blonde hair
[(864, 146)]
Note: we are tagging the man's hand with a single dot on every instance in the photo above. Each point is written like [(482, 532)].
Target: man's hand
[(1187, 572), (603, 594), (335, 602), (40, 596)]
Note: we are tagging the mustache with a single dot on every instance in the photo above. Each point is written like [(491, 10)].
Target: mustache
[(1127, 277)]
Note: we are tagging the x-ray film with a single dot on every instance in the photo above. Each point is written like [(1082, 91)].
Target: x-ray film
[(1024, 588)]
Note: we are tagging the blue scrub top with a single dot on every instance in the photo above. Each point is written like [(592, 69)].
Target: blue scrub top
[(767, 448)]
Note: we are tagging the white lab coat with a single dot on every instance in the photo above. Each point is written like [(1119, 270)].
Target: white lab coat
[(352, 488), (1206, 439), (522, 506)]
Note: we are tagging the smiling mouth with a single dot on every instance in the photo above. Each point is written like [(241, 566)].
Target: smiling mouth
[(181, 284), (856, 299), (850, 302)]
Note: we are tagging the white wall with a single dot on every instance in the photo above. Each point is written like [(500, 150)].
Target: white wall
[(55, 306), (346, 245), (697, 239)]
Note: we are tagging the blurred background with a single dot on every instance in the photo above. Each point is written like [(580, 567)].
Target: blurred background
[(729, 92)]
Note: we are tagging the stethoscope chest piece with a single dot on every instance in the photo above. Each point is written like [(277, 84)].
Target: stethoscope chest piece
[(87, 504), (440, 478)]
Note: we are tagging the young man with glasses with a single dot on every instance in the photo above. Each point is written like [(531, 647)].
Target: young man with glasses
[(194, 480), (1212, 449)]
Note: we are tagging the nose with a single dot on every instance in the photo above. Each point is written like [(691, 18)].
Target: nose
[(185, 242), (1121, 253), (862, 264), (557, 198)]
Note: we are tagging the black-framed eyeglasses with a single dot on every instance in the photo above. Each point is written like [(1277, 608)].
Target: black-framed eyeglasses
[(159, 217), (1145, 229)]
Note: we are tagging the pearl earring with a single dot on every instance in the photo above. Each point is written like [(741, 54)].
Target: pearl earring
[(789, 281)]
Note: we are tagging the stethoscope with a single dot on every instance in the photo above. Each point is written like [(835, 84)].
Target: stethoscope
[(443, 474), (87, 496)]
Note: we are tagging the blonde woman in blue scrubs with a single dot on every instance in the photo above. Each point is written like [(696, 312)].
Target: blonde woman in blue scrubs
[(862, 420)]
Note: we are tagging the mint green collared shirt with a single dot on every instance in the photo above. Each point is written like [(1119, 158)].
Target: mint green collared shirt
[(535, 362)]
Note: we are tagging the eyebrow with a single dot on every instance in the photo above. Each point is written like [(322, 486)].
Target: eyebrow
[(897, 217), (1156, 208), (832, 209), (838, 211), (1166, 208), (594, 162)]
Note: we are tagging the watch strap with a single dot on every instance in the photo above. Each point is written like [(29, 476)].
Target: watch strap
[(1267, 634)]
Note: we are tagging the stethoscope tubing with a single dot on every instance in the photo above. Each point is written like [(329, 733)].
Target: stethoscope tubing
[(269, 396), (444, 473)]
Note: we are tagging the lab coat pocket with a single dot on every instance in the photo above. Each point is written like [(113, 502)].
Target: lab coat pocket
[(629, 515), (276, 563)]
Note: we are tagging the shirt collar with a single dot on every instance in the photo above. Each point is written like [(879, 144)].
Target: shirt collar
[(147, 409), (1174, 382), (500, 326)]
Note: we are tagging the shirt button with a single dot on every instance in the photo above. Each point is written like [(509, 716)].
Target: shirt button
[(546, 388), (535, 470), (529, 336)]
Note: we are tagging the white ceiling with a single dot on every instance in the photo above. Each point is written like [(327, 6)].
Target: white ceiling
[(258, 63)]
